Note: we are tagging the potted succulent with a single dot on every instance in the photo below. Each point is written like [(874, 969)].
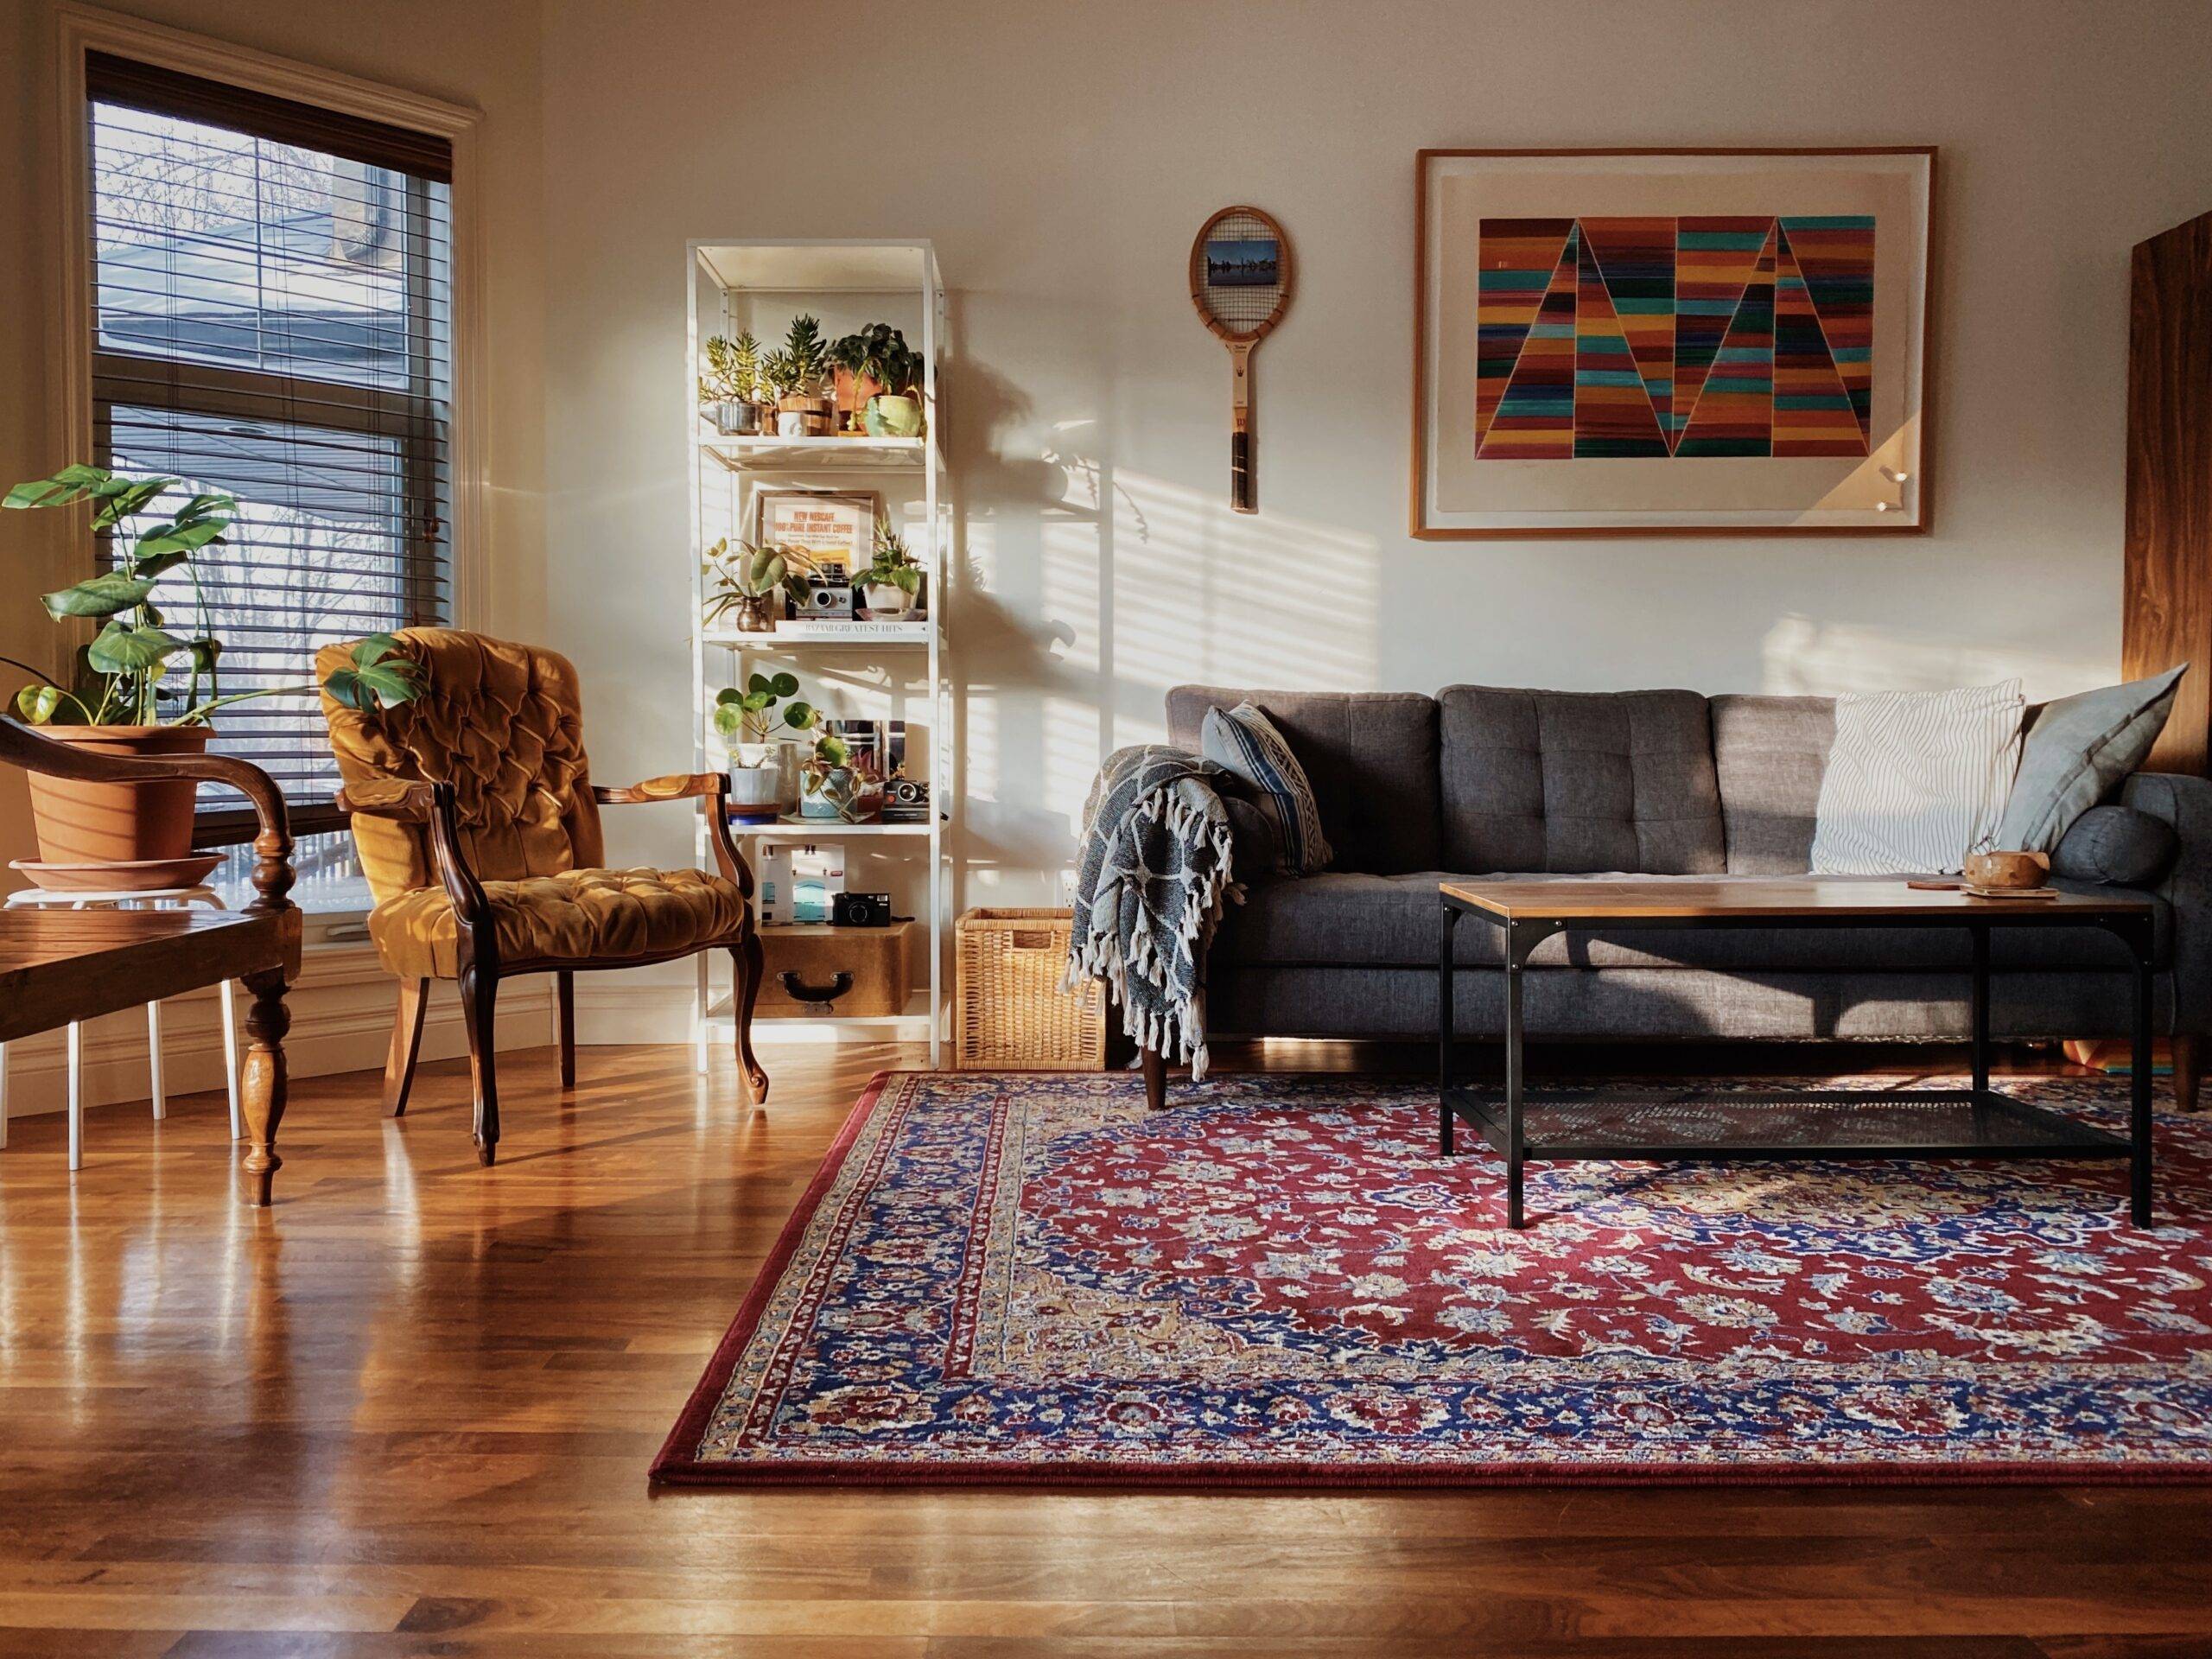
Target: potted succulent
[(835, 784), (796, 371), (763, 764), (751, 583), (890, 584), (141, 687), (886, 378), (731, 390)]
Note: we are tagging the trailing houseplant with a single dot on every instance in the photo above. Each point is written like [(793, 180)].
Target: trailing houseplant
[(887, 377), (751, 583), (148, 684), (891, 583), (760, 726), (732, 389), (835, 784), (798, 369)]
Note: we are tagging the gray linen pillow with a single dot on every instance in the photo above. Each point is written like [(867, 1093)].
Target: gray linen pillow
[(1246, 742), (2079, 750), (2117, 845)]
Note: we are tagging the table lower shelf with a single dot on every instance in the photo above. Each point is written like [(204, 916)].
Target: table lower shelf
[(1662, 1127)]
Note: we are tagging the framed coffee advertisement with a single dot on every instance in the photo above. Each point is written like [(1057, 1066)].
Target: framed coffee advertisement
[(1632, 341), (830, 527)]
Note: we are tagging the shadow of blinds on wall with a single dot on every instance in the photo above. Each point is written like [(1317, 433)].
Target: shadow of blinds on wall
[(271, 316)]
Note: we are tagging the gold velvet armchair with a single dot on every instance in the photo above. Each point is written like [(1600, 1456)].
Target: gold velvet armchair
[(478, 826)]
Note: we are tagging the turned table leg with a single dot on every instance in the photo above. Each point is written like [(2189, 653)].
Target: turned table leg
[(266, 1021)]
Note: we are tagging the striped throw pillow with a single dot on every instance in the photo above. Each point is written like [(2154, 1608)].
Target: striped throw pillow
[(1246, 742), (1916, 779)]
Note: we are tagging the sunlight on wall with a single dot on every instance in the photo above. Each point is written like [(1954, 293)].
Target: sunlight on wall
[(1087, 605), (1800, 656)]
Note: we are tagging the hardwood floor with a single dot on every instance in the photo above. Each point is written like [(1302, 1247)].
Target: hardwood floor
[(409, 1411)]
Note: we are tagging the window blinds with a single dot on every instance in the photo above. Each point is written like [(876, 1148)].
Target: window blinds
[(272, 317)]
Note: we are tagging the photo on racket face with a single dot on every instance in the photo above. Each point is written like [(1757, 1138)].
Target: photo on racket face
[(1244, 261)]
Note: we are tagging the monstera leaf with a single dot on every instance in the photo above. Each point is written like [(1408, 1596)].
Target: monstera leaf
[(123, 650), (102, 595), (379, 676)]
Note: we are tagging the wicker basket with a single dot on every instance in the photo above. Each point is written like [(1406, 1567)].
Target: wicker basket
[(1013, 1014)]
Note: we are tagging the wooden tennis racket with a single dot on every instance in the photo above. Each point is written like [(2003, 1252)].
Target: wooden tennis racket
[(1240, 281)]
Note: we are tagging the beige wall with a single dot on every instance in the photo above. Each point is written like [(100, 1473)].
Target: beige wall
[(483, 53), (1062, 155)]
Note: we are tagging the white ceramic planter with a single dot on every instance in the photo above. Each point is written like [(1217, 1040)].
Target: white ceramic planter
[(765, 774), (885, 600)]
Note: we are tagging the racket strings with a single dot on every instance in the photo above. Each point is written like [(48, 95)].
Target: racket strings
[(1241, 307)]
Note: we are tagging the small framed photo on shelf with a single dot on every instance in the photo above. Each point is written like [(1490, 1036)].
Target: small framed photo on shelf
[(831, 527)]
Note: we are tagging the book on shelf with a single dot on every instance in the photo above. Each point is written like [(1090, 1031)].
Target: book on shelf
[(857, 633)]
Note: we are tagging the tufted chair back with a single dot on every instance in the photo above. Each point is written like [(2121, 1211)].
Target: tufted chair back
[(504, 724)]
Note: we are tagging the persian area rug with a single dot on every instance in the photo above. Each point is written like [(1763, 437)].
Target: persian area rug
[(1277, 1282)]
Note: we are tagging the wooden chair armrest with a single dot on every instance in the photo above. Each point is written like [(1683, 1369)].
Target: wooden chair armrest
[(396, 798), (711, 786), (672, 786), (272, 847)]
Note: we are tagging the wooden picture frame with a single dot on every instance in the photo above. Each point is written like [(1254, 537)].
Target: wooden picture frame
[(804, 518), (1592, 440)]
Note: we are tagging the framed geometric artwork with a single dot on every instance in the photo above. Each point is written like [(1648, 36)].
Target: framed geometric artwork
[(1632, 341)]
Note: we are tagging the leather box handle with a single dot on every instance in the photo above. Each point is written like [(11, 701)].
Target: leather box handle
[(799, 991)]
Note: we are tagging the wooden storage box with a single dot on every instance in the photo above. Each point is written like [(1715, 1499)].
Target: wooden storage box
[(848, 971), (1010, 1013)]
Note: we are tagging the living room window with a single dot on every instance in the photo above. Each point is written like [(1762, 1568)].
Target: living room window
[(271, 315)]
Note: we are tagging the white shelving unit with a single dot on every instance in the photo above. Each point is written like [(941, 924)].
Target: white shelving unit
[(895, 673)]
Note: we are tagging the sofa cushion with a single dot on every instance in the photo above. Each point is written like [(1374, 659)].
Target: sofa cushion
[(2118, 846), (1341, 919), (1369, 755), (1244, 740), (1768, 754), (2078, 750), (1579, 781)]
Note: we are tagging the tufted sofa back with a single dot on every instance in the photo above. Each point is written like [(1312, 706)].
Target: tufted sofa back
[(504, 724)]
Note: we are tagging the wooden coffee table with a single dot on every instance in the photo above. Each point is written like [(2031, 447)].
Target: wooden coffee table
[(1976, 1122)]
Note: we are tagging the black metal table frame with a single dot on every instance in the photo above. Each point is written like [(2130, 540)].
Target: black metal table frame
[(1501, 1122)]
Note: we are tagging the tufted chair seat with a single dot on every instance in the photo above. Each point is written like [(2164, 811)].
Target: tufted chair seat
[(479, 832), (604, 915)]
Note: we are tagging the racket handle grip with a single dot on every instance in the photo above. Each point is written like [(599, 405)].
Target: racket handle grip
[(1240, 472)]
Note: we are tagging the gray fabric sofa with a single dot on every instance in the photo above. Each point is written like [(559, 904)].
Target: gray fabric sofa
[(1413, 789)]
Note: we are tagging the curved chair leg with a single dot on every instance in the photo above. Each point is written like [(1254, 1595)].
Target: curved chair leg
[(564, 1024), (478, 992), (406, 1044), (751, 963)]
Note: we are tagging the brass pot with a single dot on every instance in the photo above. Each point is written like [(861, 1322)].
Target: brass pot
[(758, 613)]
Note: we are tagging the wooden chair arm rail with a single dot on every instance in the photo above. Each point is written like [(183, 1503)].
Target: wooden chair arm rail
[(671, 786), (272, 847), (408, 803)]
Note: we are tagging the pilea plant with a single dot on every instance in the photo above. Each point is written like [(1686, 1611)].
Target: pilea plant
[(127, 676), (766, 707)]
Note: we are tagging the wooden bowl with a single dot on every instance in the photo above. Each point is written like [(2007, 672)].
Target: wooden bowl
[(2007, 872)]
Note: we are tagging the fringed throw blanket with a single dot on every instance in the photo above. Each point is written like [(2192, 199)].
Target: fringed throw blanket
[(1153, 879)]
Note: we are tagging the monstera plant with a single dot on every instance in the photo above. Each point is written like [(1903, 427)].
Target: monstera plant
[(147, 681)]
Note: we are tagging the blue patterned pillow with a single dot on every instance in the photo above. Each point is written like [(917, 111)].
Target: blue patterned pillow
[(1246, 742)]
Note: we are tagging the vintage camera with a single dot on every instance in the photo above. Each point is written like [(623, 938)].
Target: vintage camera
[(828, 600), (860, 910), (906, 800)]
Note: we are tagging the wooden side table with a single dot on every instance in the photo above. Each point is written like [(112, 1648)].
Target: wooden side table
[(60, 967)]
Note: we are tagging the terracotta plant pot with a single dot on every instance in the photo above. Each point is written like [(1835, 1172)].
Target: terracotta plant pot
[(116, 823)]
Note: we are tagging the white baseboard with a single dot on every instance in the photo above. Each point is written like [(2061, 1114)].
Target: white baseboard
[(341, 1021)]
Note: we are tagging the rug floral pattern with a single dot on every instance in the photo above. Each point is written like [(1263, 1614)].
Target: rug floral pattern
[(1279, 1280)]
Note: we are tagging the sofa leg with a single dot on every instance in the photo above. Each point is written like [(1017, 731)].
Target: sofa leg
[(2186, 1073), (1155, 1081)]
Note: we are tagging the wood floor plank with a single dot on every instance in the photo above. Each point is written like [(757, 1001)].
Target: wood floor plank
[(410, 1411)]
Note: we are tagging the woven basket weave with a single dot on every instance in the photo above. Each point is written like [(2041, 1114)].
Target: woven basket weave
[(1013, 1014)]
